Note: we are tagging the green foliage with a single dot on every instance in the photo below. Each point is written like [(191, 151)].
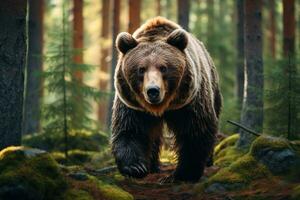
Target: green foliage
[(70, 96), (68, 106), (282, 99)]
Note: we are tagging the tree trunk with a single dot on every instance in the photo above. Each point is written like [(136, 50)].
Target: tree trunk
[(272, 36), (78, 34), (104, 63), (240, 51), (289, 29), (252, 112), (34, 68), (134, 15), (183, 9), (158, 8), (12, 64), (115, 31)]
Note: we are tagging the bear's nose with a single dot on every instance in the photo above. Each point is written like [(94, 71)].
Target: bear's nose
[(153, 93)]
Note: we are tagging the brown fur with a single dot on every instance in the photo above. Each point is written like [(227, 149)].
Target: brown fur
[(190, 104)]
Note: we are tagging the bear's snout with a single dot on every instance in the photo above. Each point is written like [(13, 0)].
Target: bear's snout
[(153, 94)]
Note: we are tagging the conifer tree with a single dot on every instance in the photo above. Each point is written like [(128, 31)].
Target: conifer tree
[(65, 112)]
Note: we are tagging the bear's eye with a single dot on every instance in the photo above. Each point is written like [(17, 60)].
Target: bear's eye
[(141, 70), (163, 69)]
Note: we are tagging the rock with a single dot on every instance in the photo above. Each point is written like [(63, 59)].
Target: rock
[(223, 187), (276, 154), (80, 176), (29, 174)]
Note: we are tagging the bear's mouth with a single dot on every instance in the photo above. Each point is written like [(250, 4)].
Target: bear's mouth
[(154, 101)]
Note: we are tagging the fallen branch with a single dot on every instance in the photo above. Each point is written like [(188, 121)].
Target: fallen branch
[(244, 128)]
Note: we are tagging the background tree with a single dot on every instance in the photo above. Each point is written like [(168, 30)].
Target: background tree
[(272, 33), (115, 31), (252, 112), (240, 52), (183, 9), (78, 34), (12, 65), (158, 7), (104, 63), (289, 30), (34, 67), (64, 113), (134, 15)]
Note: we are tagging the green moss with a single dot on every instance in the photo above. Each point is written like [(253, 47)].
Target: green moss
[(229, 141), (102, 159), (73, 194), (78, 139), (296, 193), (226, 152), (263, 142), (118, 177), (241, 172), (36, 173), (111, 192)]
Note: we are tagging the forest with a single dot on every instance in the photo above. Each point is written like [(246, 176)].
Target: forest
[(59, 61)]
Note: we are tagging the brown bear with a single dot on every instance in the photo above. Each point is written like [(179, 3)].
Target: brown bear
[(164, 75)]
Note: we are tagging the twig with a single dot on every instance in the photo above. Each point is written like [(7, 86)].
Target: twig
[(244, 128)]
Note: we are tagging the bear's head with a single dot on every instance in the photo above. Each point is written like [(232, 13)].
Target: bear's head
[(152, 70)]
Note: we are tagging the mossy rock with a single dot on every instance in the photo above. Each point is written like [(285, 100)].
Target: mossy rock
[(226, 151), (228, 141), (296, 193), (99, 189), (75, 157), (280, 155), (29, 174), (78, 139), (236, 176)]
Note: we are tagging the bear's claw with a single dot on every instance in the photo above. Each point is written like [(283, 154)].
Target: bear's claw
[(138, 170)]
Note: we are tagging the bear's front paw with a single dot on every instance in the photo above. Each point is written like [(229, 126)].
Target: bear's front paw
[(136, 170)]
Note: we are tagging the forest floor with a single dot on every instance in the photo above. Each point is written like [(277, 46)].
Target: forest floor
[(269, 170), (150, 188)]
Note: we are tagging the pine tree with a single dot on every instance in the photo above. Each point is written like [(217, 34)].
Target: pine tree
[(69, 107)]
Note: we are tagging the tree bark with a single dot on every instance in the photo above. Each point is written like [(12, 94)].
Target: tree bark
[(78, 34), (134, 15), (289, 30), (12, 65), (158, 8), (289, 27), (183, 9), (252, 112), (240, 51), (272, 36), (34, 68), (115, 31), (104, 63)]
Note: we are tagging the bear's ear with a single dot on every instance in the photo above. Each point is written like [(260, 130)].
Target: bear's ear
[(125, 42), (178, 38)]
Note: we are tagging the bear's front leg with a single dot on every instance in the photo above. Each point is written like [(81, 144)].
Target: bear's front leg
[(195, 135), (130, 140)]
